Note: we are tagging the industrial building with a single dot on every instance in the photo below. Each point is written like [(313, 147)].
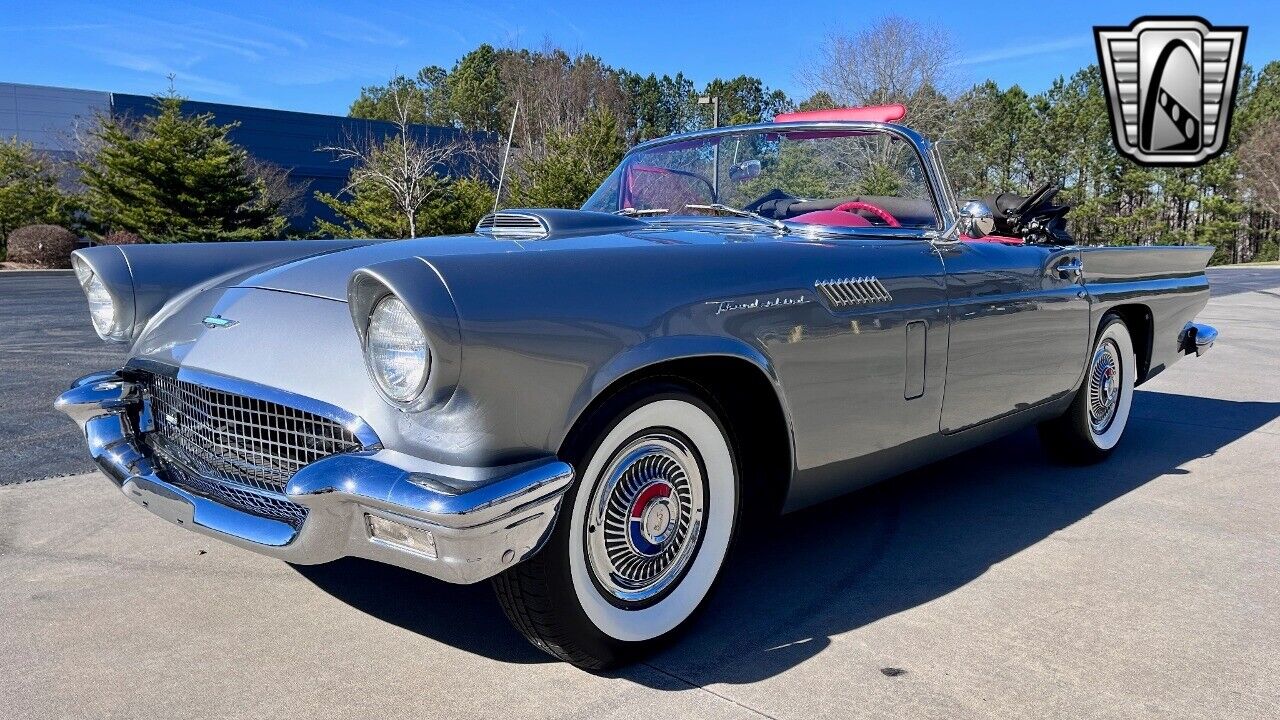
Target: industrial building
[(48, 118)]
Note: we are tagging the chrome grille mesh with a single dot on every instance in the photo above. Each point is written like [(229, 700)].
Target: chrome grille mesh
[(238, 449), (227, 493)]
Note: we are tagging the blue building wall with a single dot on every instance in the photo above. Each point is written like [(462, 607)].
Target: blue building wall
[(290, 140), (47, 117)]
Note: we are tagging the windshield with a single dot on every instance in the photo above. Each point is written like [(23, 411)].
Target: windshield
[(849, 178)]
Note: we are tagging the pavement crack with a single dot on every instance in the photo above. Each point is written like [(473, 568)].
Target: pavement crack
[(707, 690)]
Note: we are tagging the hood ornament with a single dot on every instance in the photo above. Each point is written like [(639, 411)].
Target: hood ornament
[(217, 321)]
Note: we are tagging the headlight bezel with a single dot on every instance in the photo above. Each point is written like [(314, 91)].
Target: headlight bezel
[(412, 397), (97, 292), (430, 301)]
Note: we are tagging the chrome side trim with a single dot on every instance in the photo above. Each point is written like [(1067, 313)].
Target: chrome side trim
[(847, 292)]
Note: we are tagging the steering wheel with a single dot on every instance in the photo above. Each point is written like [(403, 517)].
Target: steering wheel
[(1040, 196), (876, 210)]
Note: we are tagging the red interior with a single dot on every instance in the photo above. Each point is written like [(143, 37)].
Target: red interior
[(838, 218), (864, 206)]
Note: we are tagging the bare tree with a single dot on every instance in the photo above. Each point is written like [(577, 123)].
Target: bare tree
[(405, 164), (279, 190), (1259, 157), (892, 60), (557, 90)]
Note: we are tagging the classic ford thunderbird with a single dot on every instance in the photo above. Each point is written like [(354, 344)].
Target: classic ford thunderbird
[(586, 406)]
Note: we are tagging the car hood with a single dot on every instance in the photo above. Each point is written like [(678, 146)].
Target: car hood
[(325, 275)]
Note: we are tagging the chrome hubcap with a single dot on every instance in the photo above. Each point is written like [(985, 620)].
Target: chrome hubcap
[(1104, 386), (645, 517)]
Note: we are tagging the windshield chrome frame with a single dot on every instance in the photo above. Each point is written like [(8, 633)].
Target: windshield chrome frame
[(943, 199)]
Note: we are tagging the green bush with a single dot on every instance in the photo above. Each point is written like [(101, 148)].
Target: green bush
[(46, 246), (29, 191)]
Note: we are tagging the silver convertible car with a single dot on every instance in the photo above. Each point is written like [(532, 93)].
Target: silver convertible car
[(587, 406)]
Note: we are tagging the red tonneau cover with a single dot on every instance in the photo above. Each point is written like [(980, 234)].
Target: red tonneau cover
[(873, 113)]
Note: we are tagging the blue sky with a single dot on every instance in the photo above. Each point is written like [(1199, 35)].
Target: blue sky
[(315, 56)]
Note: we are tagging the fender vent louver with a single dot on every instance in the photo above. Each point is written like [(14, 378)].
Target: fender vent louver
[(513, 226), (847, 292)]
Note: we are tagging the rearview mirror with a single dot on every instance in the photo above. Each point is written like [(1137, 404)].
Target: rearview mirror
[(744, 170)]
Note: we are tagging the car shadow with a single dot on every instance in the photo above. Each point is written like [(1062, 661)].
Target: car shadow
[(466, 617), (793, 584)]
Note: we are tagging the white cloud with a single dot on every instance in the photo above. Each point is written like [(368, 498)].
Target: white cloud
[(1014, 52)]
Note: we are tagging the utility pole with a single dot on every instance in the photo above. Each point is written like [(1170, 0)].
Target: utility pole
[(714, 102)]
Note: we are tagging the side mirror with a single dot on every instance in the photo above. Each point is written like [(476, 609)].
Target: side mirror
[(744, 170), (976, 220)]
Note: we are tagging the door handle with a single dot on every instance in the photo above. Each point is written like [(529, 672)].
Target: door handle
[(1070, 268)]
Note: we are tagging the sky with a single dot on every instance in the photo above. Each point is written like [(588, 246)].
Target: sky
[(315, 56)]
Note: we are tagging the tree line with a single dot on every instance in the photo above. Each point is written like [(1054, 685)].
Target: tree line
[(176, 177)]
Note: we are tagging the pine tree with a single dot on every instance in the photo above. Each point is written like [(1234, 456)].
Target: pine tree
[(29, 192), (574, 165), (171, 177)]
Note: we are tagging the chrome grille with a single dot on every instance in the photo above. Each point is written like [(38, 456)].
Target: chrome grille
[(258, 503), (237, 449)]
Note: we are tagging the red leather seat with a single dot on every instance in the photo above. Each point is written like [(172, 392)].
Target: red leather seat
[(832, 217)]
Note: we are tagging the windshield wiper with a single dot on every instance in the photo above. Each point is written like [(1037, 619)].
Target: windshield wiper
[(632, 212), (720, 207)]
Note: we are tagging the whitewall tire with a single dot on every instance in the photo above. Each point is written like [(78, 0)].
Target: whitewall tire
[(1094, 423), (641, 535)]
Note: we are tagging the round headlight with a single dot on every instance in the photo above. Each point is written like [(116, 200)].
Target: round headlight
[(102, 309), (397, 350)]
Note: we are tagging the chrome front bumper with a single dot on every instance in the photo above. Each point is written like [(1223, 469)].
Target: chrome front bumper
[(477, 528)]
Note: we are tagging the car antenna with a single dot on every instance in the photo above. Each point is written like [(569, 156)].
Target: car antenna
[(503, 172)]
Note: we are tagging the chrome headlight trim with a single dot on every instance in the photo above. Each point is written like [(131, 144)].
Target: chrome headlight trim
[(389, 313), (104, 310), (417, 284)]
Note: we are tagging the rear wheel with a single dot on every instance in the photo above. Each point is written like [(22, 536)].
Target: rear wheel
[(641, 535), (1091, 428)]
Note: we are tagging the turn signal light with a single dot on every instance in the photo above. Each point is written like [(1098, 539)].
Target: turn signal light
[(404, 537)]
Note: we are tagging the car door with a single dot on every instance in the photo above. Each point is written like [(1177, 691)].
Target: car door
[(1019, 328), (862, 362)]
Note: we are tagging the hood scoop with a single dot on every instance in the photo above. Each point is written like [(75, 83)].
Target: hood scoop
[(551, 222), (513, 225)]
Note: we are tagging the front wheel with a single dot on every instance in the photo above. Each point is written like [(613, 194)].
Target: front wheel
[(641, 535), (1090, 429)]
